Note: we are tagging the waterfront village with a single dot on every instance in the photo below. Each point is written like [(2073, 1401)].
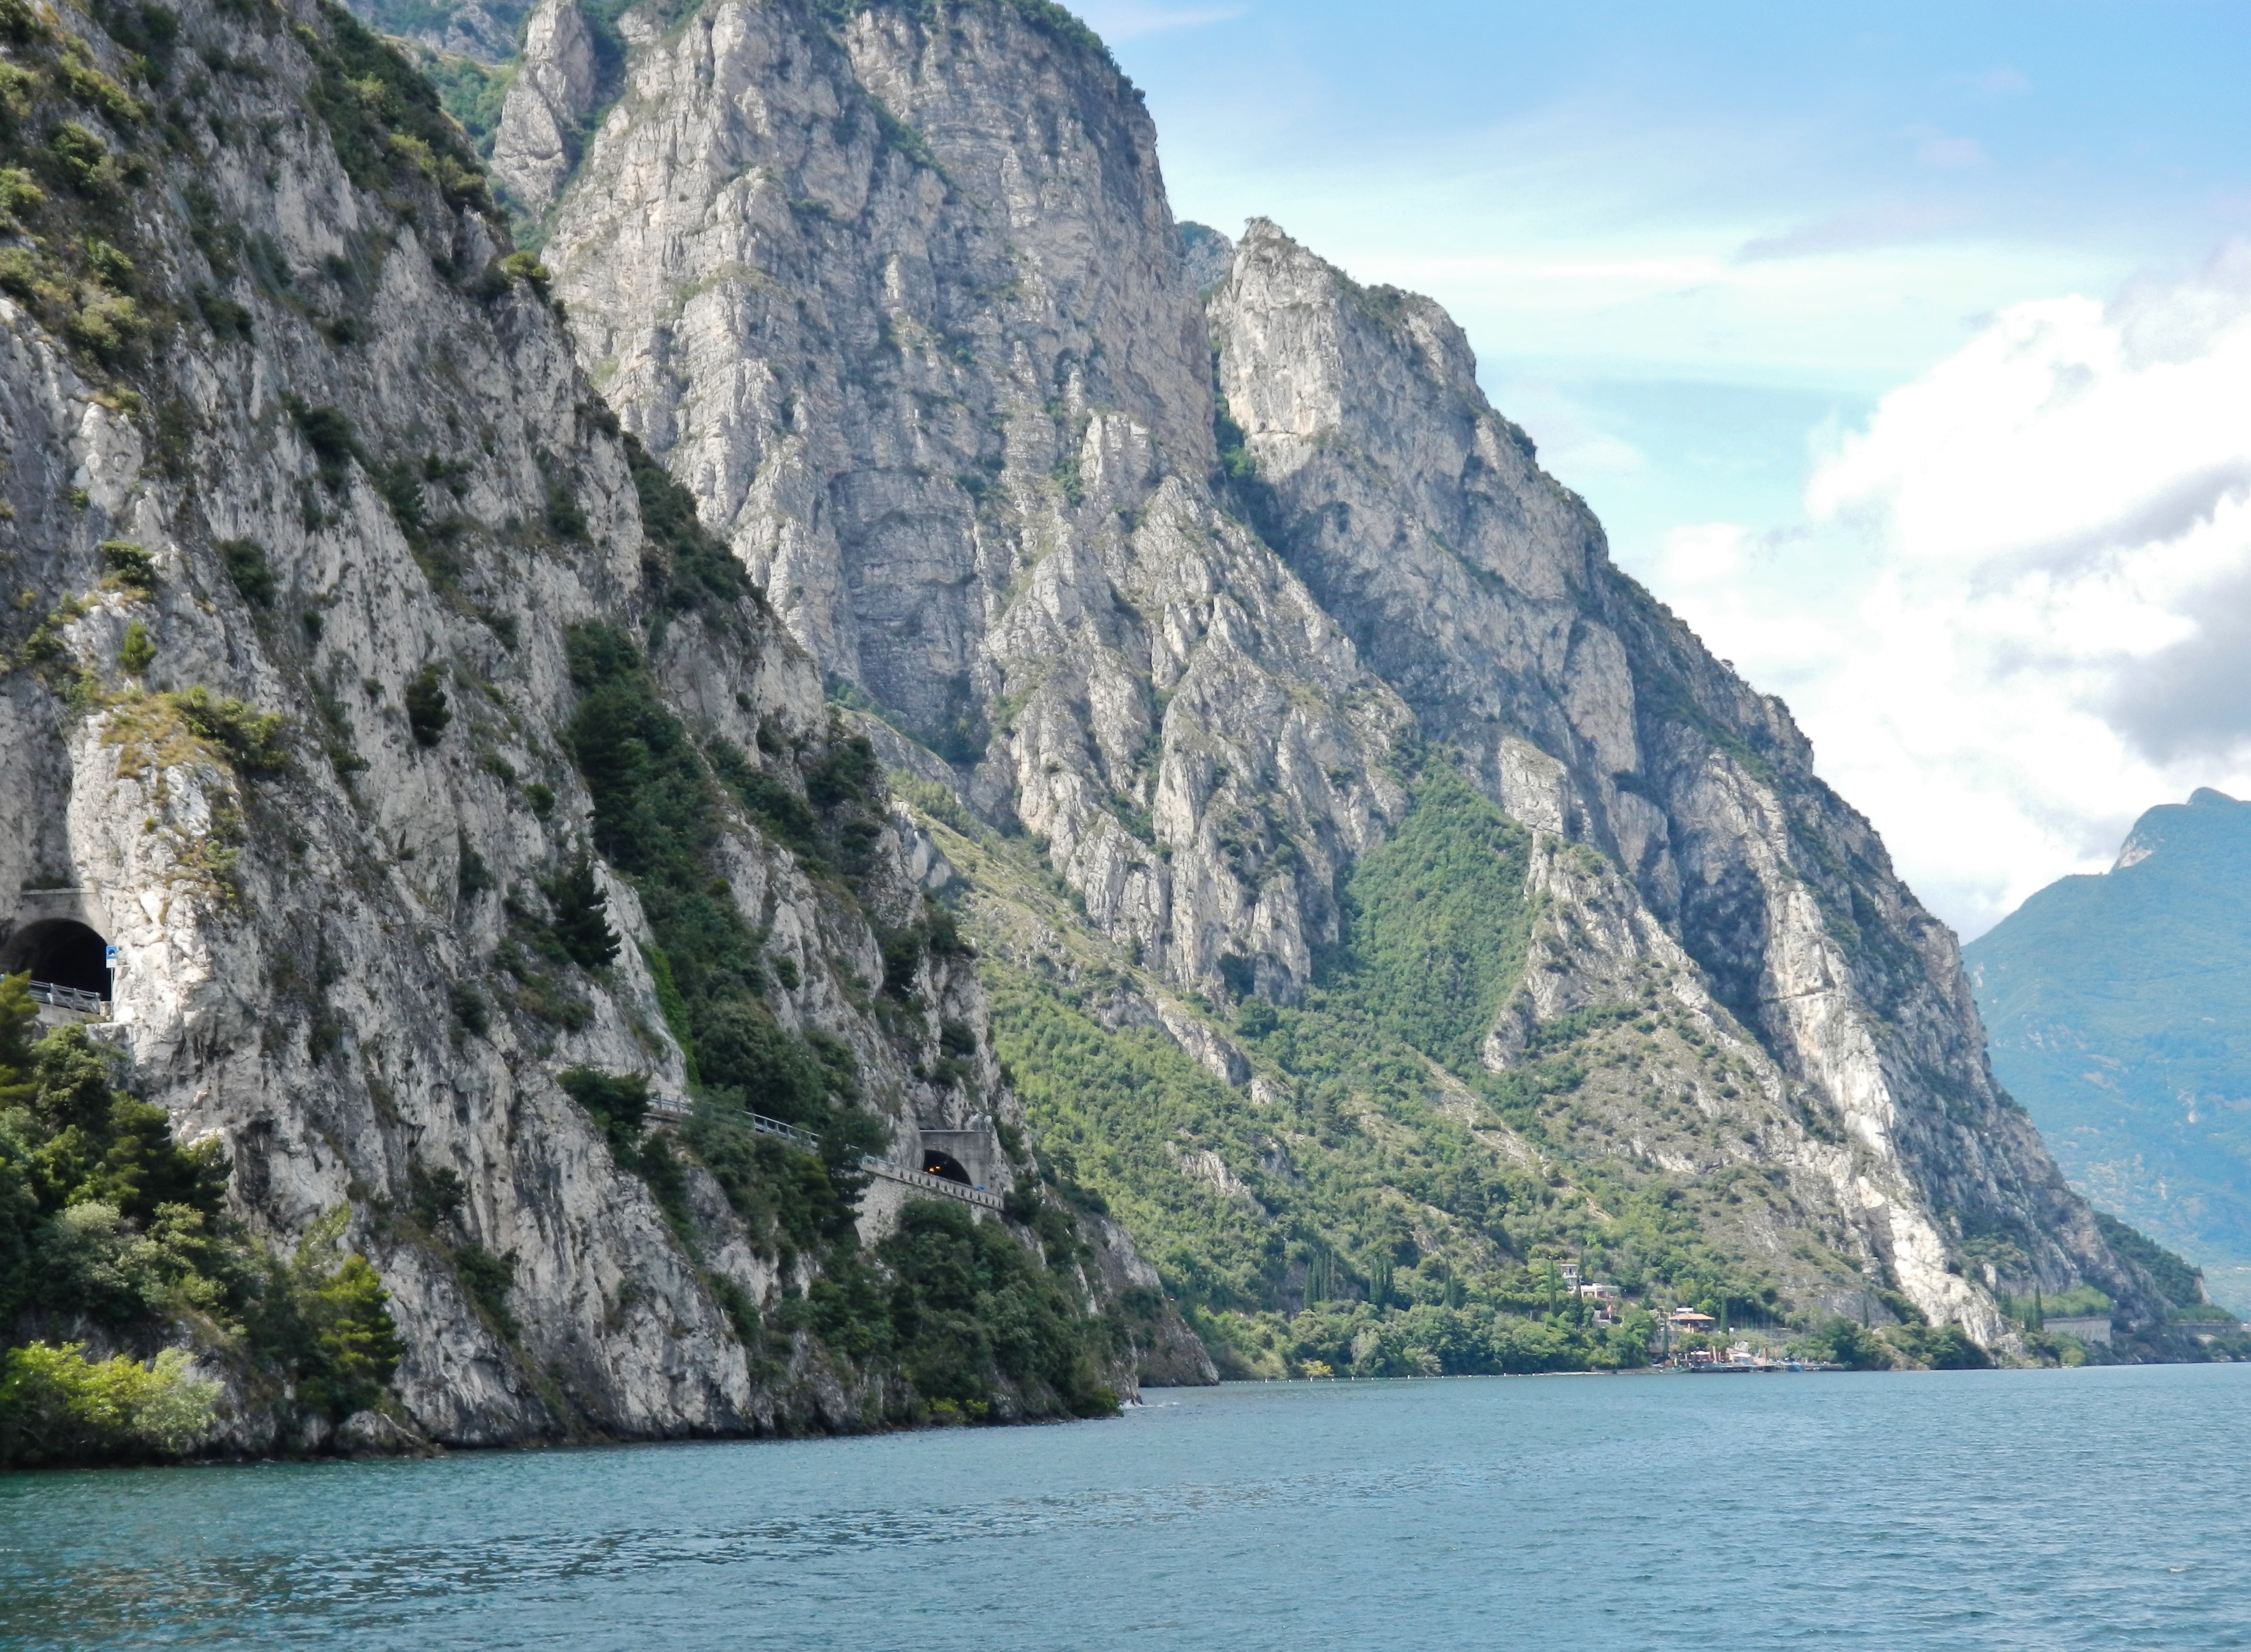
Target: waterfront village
[(1687, 1337)]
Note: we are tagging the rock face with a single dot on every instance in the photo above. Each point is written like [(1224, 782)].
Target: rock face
[(374, 494), (2117, 1004), (538, 141), (1479, 589), (900, 300), (485, 32), (905, 308)]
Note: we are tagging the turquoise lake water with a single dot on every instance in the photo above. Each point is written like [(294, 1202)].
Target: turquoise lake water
[(2095, 1508)]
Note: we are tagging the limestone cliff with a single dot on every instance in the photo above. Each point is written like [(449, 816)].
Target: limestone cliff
[(309, 504), (904, 306), (1480, 588), (895, 291)]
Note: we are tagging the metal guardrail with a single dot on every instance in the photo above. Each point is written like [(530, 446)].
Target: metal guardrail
[(76, 1000), (939, 1185)]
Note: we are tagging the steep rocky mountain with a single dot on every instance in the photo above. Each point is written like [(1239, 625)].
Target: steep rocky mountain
[(1204, 599), (476, 846), (2118, 1006)]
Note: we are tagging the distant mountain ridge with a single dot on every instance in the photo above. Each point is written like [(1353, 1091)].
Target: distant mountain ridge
[(2119, 1006)]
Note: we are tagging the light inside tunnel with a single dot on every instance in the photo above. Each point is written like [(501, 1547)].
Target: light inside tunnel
[(944, 1164)]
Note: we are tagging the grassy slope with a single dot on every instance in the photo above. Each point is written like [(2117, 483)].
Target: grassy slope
[(1375, 1167)]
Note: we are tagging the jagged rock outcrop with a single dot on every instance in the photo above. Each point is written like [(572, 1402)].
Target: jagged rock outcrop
[(364, 495), (539, 137), (899, 298), (905, 306), (1480, 588), (486, 32)]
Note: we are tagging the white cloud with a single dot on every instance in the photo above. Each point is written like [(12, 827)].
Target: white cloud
[(1881, 224), (2022, 613), (1708, 551)]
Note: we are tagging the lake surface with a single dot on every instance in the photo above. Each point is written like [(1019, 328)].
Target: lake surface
[(2094, 1508)]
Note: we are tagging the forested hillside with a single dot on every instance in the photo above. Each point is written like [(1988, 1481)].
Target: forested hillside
[(2120, 1008)]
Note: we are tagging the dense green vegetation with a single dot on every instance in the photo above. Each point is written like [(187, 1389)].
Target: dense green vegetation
[(76, 149), (658, 819), (974, 1325), (108, 1226), (2120, 1012), (59, 1407), (473, 92), (2181, 1285), (684, 565), (1365, 1213), (385, 120)]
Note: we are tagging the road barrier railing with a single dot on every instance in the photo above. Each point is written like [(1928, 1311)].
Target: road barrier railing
[(810, 1143), (76, 1000)]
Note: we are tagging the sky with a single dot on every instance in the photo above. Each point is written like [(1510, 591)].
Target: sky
[(1904, 350)]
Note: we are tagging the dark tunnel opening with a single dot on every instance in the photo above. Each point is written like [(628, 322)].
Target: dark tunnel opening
[(60, 950), (944, 1164)]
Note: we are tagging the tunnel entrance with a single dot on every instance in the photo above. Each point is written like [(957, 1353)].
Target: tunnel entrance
[(60, 950), (944, 1164)]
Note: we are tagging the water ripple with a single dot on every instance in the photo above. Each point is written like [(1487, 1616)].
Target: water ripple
[(2019, 1511)]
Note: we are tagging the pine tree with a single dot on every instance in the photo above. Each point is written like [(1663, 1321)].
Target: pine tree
[(579, 926)]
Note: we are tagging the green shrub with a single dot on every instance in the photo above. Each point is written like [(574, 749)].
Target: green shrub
[(848, 773), (385, 120), (970, 1309), (1437, 921), (527, 269), (129, 565), (427, 712), (580, 924), (683, 563), (324, 1321), (1840, 1342), (1940, 1347), (472, 877), (83, 158), (472, 92), (251, 738), (333, 442), (471, 1014), (769, 801), (19, 192), (489, 1278), (107, 326), (21, 277), (136, 653), (565, 519), (618, 1102), (89, 86), (57, 1406), (105, 1220), (109, 264), (2182, 1285)]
